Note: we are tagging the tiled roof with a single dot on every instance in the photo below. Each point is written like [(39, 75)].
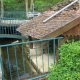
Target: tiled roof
[(37, 29)]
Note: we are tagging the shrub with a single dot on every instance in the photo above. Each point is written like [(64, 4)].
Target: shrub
[(68, 67)]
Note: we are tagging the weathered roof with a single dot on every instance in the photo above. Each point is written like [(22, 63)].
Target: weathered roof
[(37, 29)]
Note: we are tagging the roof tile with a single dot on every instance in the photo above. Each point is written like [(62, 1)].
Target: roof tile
[(37, 29)]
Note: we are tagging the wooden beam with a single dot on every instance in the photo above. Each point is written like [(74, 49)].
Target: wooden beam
[(73, 31), (30, 39), (64, 28), (60, 42)]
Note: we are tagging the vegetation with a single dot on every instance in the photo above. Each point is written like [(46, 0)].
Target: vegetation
[(12, 7), (40, 5), (68, 67)]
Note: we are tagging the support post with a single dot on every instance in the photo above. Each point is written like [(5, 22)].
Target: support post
[(79, 4), (60, 42), (30, 39)]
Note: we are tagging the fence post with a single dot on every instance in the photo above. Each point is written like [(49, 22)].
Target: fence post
[(60, 42), (0, 67)]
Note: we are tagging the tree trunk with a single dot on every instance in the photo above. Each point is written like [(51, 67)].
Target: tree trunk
[(31, 5), (26, 2), (2, 9), (79, 4)]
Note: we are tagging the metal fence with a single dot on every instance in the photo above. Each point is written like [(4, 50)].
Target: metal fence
[(20, 62), (10, 21), (18, 15)]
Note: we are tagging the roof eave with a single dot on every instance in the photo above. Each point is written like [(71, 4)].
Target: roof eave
[(64, 28)]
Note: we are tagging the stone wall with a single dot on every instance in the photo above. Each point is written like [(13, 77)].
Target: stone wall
[(60, 5)]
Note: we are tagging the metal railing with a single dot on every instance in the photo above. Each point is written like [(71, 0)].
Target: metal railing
[(10, 21), (20, 62), (9, 25), (17, 15)]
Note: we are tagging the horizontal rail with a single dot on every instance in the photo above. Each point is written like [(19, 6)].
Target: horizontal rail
[(35, 41), (39, 76), (56, 13), (13, 36)]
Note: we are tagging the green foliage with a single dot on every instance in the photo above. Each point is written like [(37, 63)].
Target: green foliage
[(68, 67), (42, 5), (19, 5), (12, 5), (56, 1)]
